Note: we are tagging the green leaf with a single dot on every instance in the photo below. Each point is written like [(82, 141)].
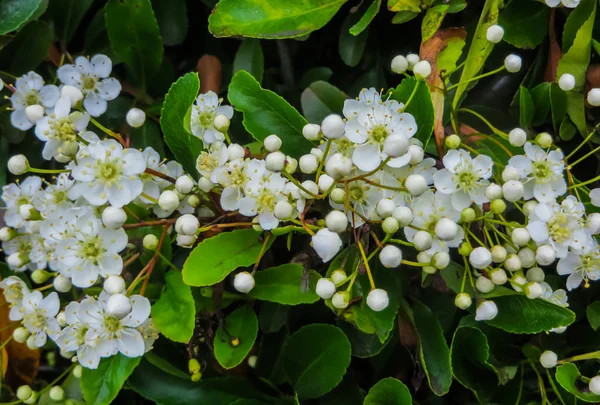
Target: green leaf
[(558, 103), (240, 326), (366, 19), (101, 386), (271, 18), (519, 314), (322, 73), (420, 106), (540, 95), (172, 20), (14, 13), (96, 38), (67, 15), (363, 344), (388, 391), (470, 354), (480, 47), (185, 146), (266, 113), (281, 284), (432, 20), (525, 23), (351, 47), (404, 5), (403, 17), (567, 129), (272, 317), (525, 107), (214, 258), (177, 299), (36, 38), (164, 365), (321, 99), (148, 135), (569, 377), (249, 57), (456, 6), (449, 56), (433, 349), (135, 37), (315, 359), (593, 314)]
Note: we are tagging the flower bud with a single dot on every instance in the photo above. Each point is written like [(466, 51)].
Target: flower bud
[(527, 257), (399, 64), (340, 299), (184, 184), (378, 299), (498, 206), (518, 281), (465, 249), (452, 141), (235, 151), (390, 256), (113, 217), (422, 240), (385, 207), (533, 290), (243, 282), (205, 184), (308, 164), (440, 260), (446, 229), (480, 258), (187, 241), (17, 260), (494, 33), (403, 215), (327, 244), (544, 140), (118, 305), (517, 137), (193, 201), (545, 255), (486, 311), (520, 236), (77, 371), (325, 183), (252, 361), (20, 334), (72, 93), (150, 242), (61, 318), (395, 145), (463, 301), (594, 385), (513, 263), (336, 221), (135, 117), (272, 143), (221, 123), (318, 153), (416, 184), (275, 161), (333, 127), (283, 210), (34, 113), (57, 393), (416, 154), (114, 285), (493, 191), (512, 63), (187, 224), (40, 276), (510, 173), (412, 59), (29, 213), (338, 166), (338, 276), (33, 398), (390, 225), (467, 215), (311, 187), (338, 195), (529, 206), (512, 191), (18, 165), (498, 254), (168, 200), (593, 99), (7, 234), (566, 82), (24, 392), (311, 132), (498, 276), (535, 274), (484, 284), (548, 359), (291, 165)]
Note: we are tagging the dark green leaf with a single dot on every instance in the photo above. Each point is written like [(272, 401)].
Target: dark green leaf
[(569, 377), (36, 38), (593, 314), (433, 349), (266, 113), (101, 386), (321, 99), (352, 47), (214, 258), (135, 37), (96, 38), (366, 19), (456, 6), (388, 391), (525, 23), (270, 18), (315, 359), (567, 129), (525, 107), (576, 110), (315, 74), (164, 365), (241, 327), (282, 284), (347, 392), (14, 13), (174, 312), (249, 57), (470, 362), (363, 344), (420, 106), (432, 20), (172, 19), (67, 15), (148, 135), (185, 146), (403, 17), (272, 317), (540, 95), (558, 103)]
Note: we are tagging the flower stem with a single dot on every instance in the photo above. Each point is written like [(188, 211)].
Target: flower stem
[(149, 223), (161, 175), (108, 131), (486, 122), (481, 76), (580, 357), (412, 95), (587, 138), (322, 162), (590, 153), (47, 171), (366, 262)]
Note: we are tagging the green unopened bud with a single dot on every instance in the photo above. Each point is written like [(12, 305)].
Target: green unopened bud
[(390, 225), (544, 140), (291, 165), (77, 371), (196, 377), (20, 334), (150, 242), (194, 366), (24, 392), (221, 123), (57, 393), (498, 206), (338, 195), (465, 249), (193, 200), (33, 398), (463, 301), (452, 141), (40, 276), (468, 215)]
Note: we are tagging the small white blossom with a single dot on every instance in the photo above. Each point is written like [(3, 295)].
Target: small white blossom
[(204, 111), (30, 90), (39, 316)]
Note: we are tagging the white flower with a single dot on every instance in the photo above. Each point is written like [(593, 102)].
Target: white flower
[(327, 244), (14, 291), (366, 98), (107, 173), (558, 297), (73, 337), (595, 197), (541, 173), (261, 197), (204, 111), (151, 184), (581, 265), (110, 335), (234, 176), (91, 252), (208, 161), (39, 316), (91, 77), (55, 196), (16, 195), (370, 127), (465, 178), (30, 90)]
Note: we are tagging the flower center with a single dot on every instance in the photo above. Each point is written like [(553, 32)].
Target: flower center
[(267, 200), (466, 180), (558, 228), (64, 130), (206, 162), (542, 171), (356, 193), (109, 172), (32, 98), (343, 146), (112, 324), (88, 83), (14, 293), (379, 133), (91, 249), (36, 320), (206, 118), (237, 176)]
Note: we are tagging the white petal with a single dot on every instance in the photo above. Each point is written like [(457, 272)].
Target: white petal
[(367, 157), (94, 104), (140, 311), (109, 89), (49, 95), (101, 65), (131, 343)]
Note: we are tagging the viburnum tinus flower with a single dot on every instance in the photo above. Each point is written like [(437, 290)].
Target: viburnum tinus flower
[(92, 251), (91, 77), (16, 195), (465, 178), (39, 316), (73, 337), (204, 111), (60, 129), (106, 172), (14, 290), (580, 264), (30, 90), (541, 173)]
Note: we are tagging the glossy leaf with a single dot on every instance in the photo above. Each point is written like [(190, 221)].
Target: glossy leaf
[(236, 337), (67, 15), (266, 113), (271, 18), (366, 19), (281, 284), (315, 359), (558, 103), (172, 18), (525, 23), (315, 74), (540, 95), (249, 57), (101, 386), (214, 258), (569, 377), (470, 354), (185, 146), (420, 106), (135, 37), (593, 314), (433, 349), (567, 129), (14, 13), (351, 47), (432, 20), (36, 37), (363, 344), (388, 391), (525, 107), (176, 299), (321, 99)]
